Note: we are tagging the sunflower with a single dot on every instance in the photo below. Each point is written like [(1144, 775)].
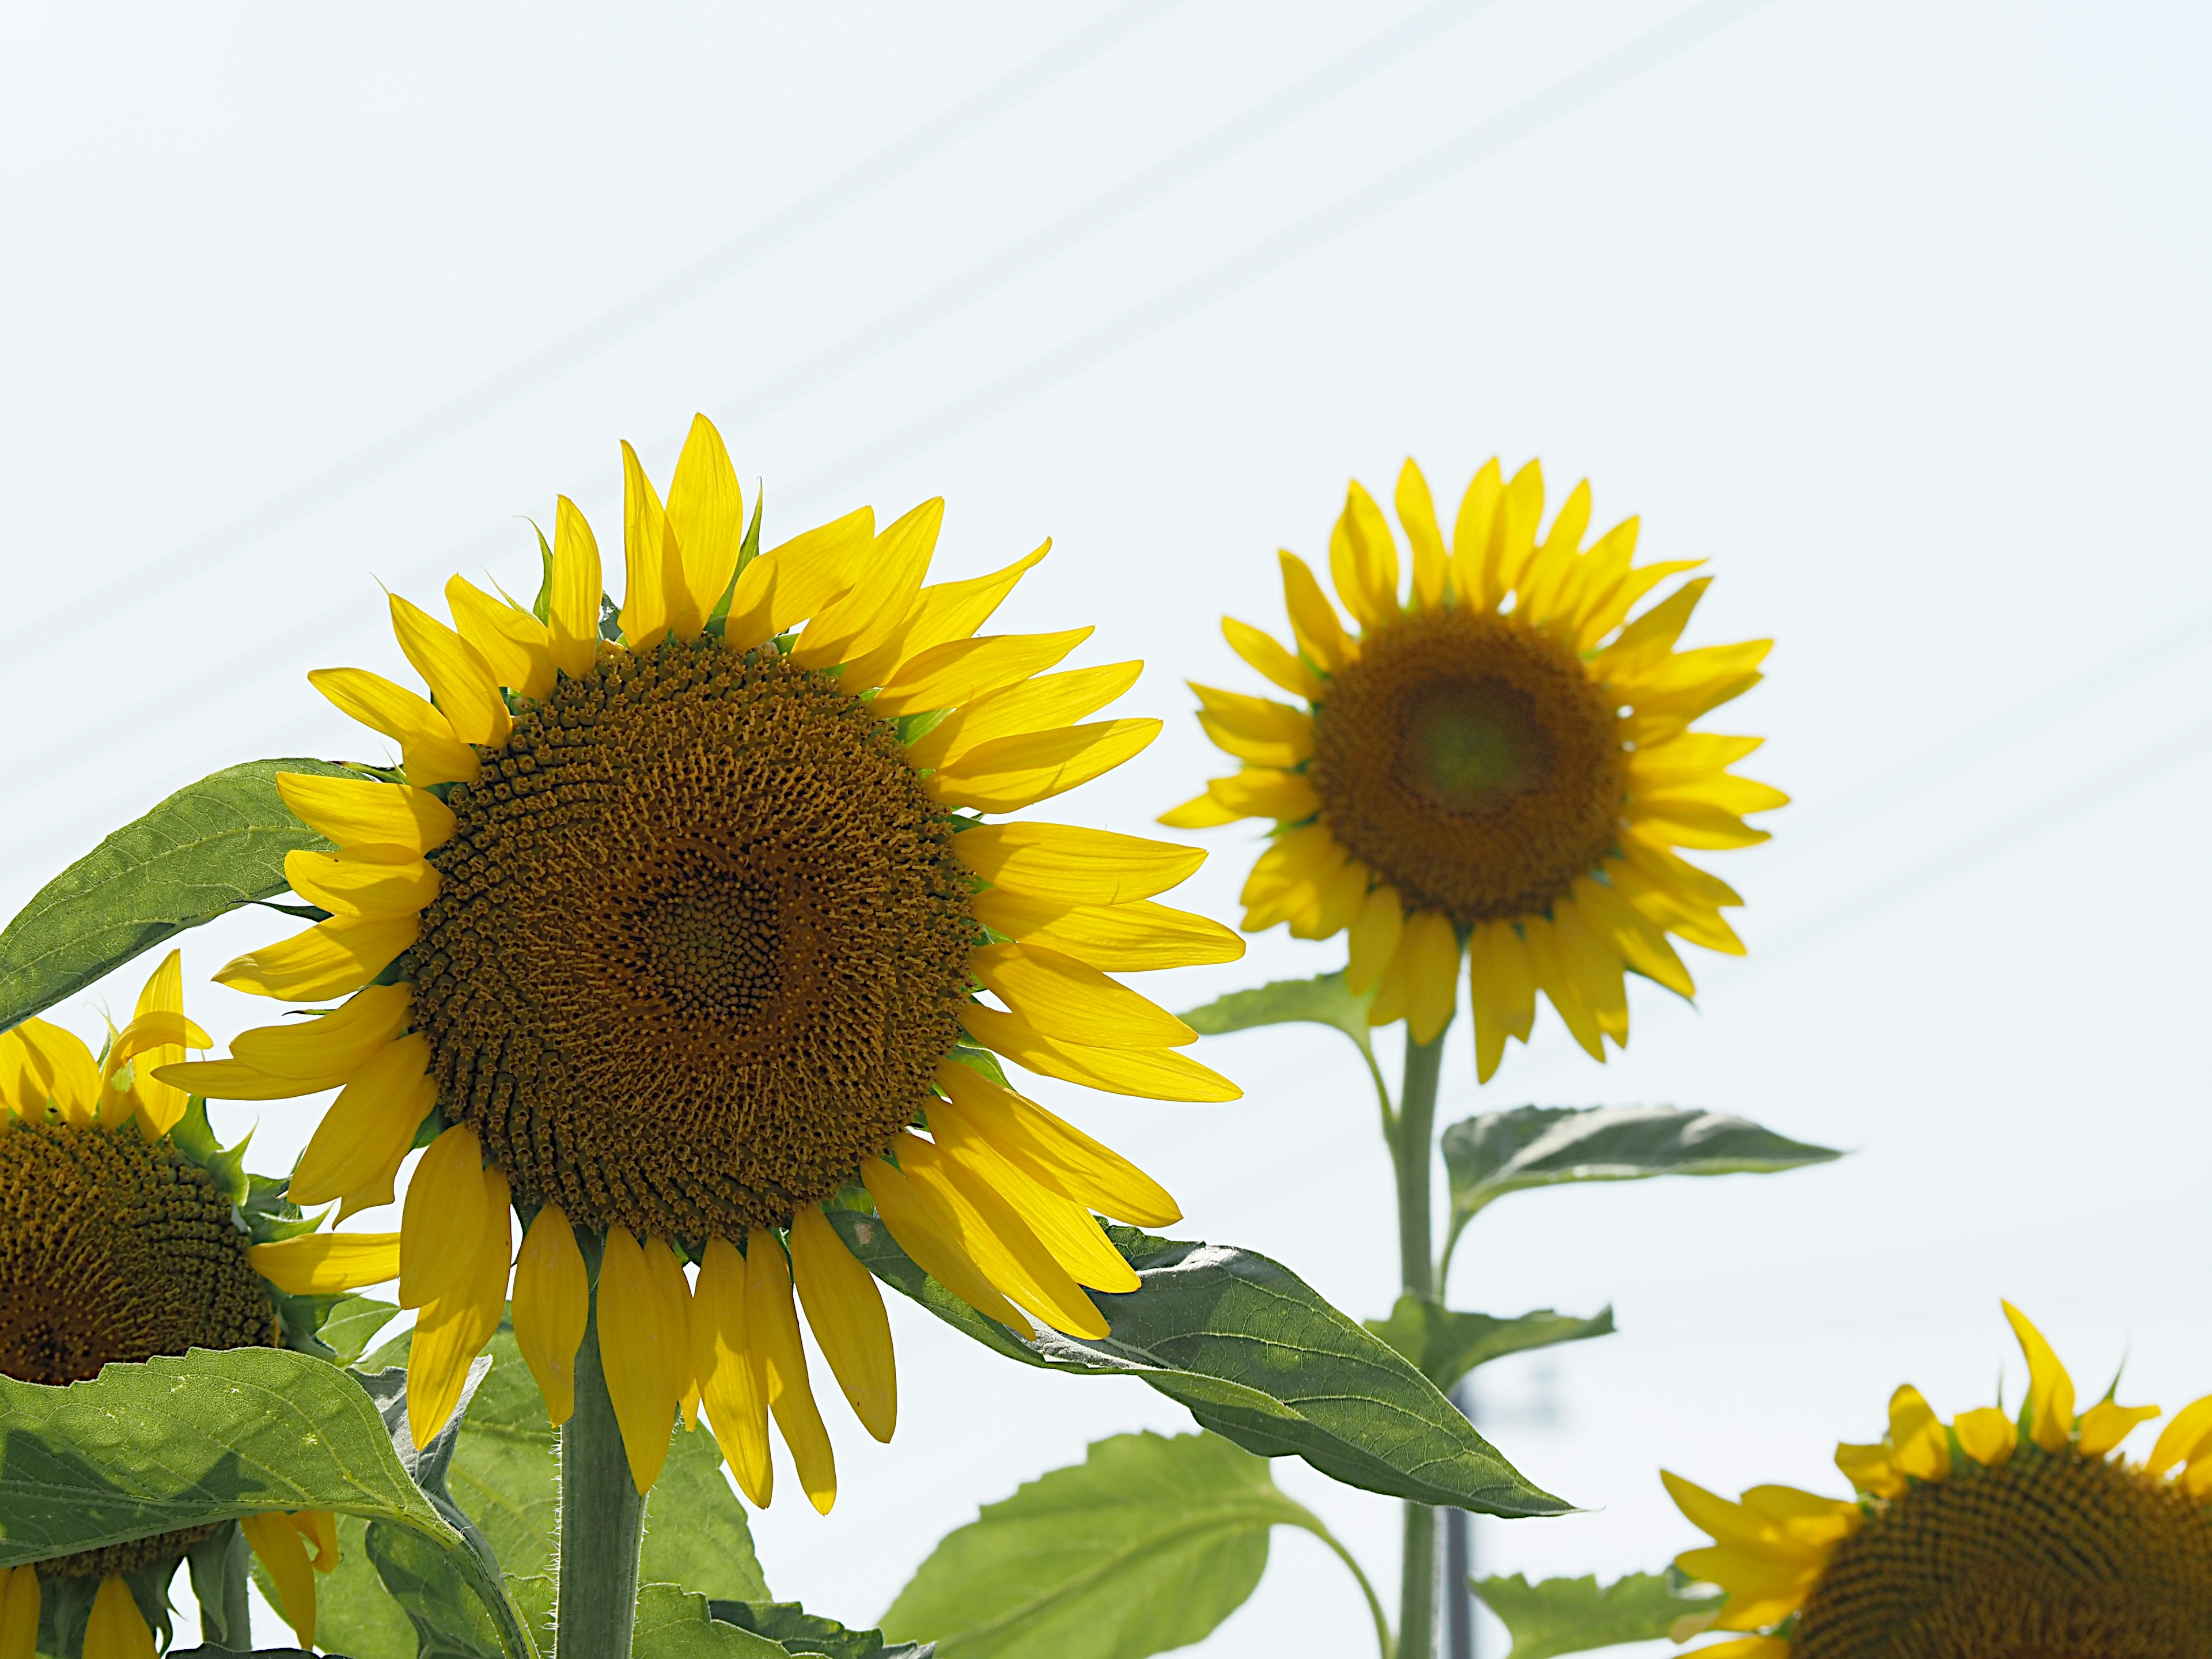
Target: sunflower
[(119, 1244), (672, 933), (1989, 1537), (1508, 783)]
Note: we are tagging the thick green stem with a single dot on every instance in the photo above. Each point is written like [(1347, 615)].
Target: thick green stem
[(602, 1515), (1411, 1149)]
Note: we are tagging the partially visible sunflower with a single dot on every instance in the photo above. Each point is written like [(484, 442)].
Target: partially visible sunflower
[(118, 1244), (1511, 782), (672, 931), (1989, 1537)]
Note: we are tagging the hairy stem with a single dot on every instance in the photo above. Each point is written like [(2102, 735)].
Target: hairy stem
[(1410, 1151), (602, 1514)]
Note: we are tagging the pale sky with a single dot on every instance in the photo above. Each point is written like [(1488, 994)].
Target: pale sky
[(1894, 311)]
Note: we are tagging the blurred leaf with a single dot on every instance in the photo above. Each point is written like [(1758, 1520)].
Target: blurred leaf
[(355, 1614), (676, 1623), (1321, 1002), (1447, 1345), (1255, 1355), (1146, 1545), (352, 1324), (209, 847), (1568, 1615), (1501, 1152), (799, 1631)]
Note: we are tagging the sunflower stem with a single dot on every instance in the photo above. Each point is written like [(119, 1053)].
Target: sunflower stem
[(602, 1514), (1412, 1153)]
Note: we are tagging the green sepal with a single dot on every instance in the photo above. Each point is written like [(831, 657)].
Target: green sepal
[(194, 1136), (609, 621), (204, 1564), (717, 621), (1446, 1345), (65, 1608), (1571, 1615), (542, 607)]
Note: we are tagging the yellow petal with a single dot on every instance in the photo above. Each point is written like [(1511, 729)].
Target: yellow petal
[(1692, 755), (1079, 865), (1314, 621), (1051, 699), (552, 1304), (1265, 653), (573, 599), (443, 1219), (459, 678), (934, 1243), (1256, 729), (1501, 991), (1374, 941), (732, 1378), (117, 1630), (846, 1311), (815, 568), (1630, 935), (1153, 1073), (881, 596), (427, 747), (328, 960), (1551, 572), (962, 670), (451, 1331), (772, 1323), (1674, 821), (2051, 1390), (1431, 950), (321, 1528), (518, 647), (1262, 792), (19, 1612), (1750, 1647), (377, 883), (1008, 773), (1553, 979), (1363, 559), (2184, 1438), (1198, 812), (335, 1045), (359, 812), (672, 1296), (652, 581), (1115, 939), (1743, 1530), (1916, 1436), (370, 1126), (1061, 998), (999, 1240), (1417, 511), (1871, 1469), (706, 512), (1986, 1435), (2105, 1425), (1066, 1228), (230, 1080), (1470, 553), (317, 1264), (942, 612), (1595, 967), (636, 1351), (283, 1552), (1053, 1151), (1513, 532)]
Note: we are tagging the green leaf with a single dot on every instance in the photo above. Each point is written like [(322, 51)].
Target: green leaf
[(184, 1442), (1501, 1152), (795, 1630), (1447, 1345), (1255, 1354), (352, 1324), (1321, 1002), (1568, 1615), (1146, 1545), (209, 847), (355, 1614), (676, 1623)]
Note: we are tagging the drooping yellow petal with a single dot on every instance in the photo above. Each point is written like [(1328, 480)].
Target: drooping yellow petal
[(19, 1612), (1266, 654), (1279, 874), (1008, 773), (933, 1245), (772, 1324), (368, 1128), (1152, 1073), (117, 1630), (707, 513), (1255, 729), (1115, 939), (671, 1297), (1986, 1435), (961, 670), (999, 1240), (2105, 1424), (846, 1311), (459, 678), (321, 1528), (427, 746), (1314, 621), (2185, 1437), (1264, 791), (1470, 552), (1054, 1153), (1552, 979), (2051, 1389), (652, 579), (882, 595), (443, 1219), (328, 960), (1063, 998), (1417, 511), (1065, 1228), (361, 812), (1431, 950), (518, 647), (942, 612), (644, 1380), (1078, 865), (1595, 969), (317, 1264), (1338, 895), (451, 1331), (1501, 991), (552, 1304), (283, 1553), (732, 1378), (1034, 705), (337, 1044), (1363, 559), (1374, 941), (574, 597), (1917, 1435), (374, 882)]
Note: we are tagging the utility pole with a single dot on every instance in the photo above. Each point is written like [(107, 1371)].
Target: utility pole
[(1459, 1557)]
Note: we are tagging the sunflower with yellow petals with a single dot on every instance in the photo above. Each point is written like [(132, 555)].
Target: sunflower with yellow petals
[(118, 1244), (1989, 1537), (1508, 781), (673, 933)]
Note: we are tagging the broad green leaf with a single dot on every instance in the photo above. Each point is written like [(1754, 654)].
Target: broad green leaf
[(1501, 1152), (1569, 1615), (676, 1623), (256, 1653), (1255, 1355), (352, 1324), (209, 847), (183, 1442), (1447, 1345), (1320, 1002), (799, 1631), (1146, 1545)]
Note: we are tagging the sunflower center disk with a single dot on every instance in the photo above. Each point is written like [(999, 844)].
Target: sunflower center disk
[(700, 943), (2050, 1557), (1471, 763)]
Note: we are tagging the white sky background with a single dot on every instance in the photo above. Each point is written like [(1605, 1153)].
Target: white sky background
[(1894, 311)]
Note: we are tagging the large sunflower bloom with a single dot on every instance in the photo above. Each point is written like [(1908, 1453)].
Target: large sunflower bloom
[(116, 1245), (1989, 1537), (672, 929), (1462, 775)]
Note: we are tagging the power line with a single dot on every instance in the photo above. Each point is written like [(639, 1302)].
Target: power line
[(343, 477)]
